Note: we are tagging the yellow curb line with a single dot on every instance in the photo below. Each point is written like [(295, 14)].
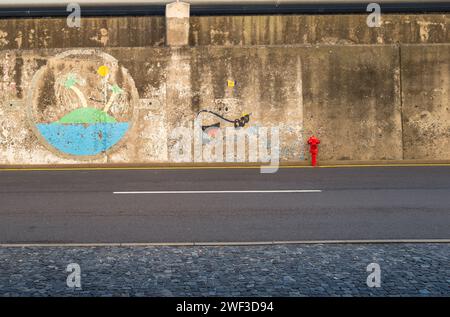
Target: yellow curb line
[(214, 167), (378, 165)]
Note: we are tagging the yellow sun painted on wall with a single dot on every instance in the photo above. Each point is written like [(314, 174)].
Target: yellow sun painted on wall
[(103, 71)]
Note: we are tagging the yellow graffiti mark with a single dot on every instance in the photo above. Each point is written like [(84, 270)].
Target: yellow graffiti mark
[(103, 71)]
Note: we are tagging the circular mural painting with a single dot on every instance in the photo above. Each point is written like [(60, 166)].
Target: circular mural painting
[(81, 103)]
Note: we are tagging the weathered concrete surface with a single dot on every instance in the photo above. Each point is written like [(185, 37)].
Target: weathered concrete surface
[(348, 96), (352, 95), (426, 101), (352, 102), (318, 29), (173, 86), (177, 23), (46, 33), (267, 85), (224, 30)]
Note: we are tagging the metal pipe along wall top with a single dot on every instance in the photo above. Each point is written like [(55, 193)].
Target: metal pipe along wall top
[(38, 8), (63, 3)]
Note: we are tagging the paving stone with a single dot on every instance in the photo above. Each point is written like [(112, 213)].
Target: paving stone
[(280, 270)]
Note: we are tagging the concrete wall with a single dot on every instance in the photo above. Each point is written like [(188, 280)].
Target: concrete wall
[(223, 30), (369, 94), (352, 101), (426, 101), (46, 33), (318, 29)]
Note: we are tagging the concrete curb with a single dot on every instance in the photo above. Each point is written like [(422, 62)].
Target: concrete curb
[(221, 244)]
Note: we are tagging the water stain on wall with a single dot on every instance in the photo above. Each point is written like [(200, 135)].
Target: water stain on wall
[(18, 76), (47, 96)]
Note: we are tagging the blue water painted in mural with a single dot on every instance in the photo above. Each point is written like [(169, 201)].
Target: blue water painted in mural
[(83, 139)]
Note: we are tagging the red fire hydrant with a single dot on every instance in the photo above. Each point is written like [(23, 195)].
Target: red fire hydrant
[(313, 149)]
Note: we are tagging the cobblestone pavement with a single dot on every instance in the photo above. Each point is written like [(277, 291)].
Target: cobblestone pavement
[(277, 270)]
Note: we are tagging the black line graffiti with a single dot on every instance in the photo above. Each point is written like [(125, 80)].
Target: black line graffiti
[(238, 123)]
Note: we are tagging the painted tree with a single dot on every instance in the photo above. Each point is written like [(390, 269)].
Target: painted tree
[(70, 83), (116, 90)]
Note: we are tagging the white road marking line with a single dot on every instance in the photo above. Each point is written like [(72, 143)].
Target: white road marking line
[(221, 192)]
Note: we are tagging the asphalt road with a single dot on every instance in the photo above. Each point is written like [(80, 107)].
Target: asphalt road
[(351, 204)]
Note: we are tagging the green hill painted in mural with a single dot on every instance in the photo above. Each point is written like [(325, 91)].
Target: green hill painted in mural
[(87, 115)]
